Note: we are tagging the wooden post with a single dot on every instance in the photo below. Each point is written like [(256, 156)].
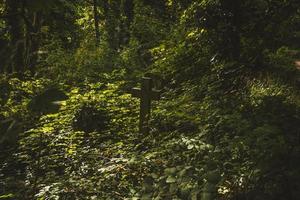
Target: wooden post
[(146, 94)]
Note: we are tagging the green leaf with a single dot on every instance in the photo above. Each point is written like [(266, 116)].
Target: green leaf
[(146, 197), (170, 171), (171, 179), (213, 176), (7, 196)]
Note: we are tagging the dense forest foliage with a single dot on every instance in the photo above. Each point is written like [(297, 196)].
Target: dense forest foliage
[(227, 125)]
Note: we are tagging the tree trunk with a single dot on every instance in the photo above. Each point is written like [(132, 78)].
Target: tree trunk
[(33, 37), (96, 21), (126, 23), (232, 34), (111, 15), (15, 30), (236, 38)]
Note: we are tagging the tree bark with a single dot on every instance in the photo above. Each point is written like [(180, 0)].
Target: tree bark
[(33, 37), (111, 11), (232, 34), (16, 33), (96, 22), (126, 23)]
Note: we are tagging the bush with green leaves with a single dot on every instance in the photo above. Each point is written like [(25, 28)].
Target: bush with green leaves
[(226, 126), (66, 150)]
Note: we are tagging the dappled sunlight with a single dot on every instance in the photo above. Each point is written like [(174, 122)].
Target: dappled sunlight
[(149, 100)]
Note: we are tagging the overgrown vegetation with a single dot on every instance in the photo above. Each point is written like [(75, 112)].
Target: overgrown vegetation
[(226, 126)]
